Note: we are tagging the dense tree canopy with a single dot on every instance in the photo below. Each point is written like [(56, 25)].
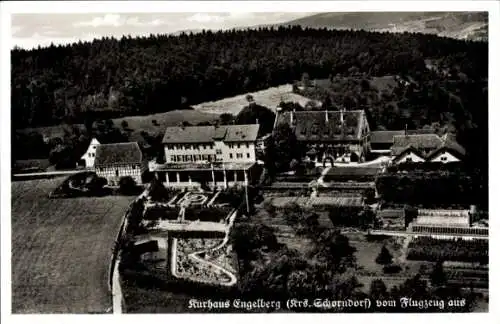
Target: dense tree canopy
[(158, 73)]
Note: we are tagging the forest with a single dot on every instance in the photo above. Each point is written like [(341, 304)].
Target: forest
[(145, 75)]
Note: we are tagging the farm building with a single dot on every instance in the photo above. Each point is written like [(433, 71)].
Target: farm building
[(114, 161), (426, 148), (329, 135), (216, 156)]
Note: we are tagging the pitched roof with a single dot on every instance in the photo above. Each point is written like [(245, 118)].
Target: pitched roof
[(206, 134), (241, 133), (118, 153), (426, 144), (314, 126), (420, 142), (384, 137)]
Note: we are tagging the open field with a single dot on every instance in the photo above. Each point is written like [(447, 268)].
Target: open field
[(269, 98), (61, 249), (139, 123)]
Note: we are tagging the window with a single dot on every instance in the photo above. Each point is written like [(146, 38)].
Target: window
[(248, 146), (204, 146), (239, 155), (408, 159), (133, 167), (90, 154), (444, 158), (238, 145), (211, 146), (93, 147), (218, 151), (230, 155), (248, 155), (116, 172)]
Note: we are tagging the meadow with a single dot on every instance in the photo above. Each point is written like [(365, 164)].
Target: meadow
[(61, 249)]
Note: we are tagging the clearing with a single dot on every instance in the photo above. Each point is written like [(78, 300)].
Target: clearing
[(61, 249), (269, 98)]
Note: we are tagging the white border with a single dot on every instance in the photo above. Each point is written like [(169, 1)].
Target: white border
[(8, 8)]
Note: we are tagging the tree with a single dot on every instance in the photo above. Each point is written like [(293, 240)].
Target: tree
[(384, 256), (438, 276), (285, 147), (378, 290), (254, 113), (157, 191), (226, 119), (124, 124), (333, 249), (127, 185), (96, 184), (269, 208)]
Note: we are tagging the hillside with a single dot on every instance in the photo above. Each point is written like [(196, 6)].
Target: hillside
[(461, 25)]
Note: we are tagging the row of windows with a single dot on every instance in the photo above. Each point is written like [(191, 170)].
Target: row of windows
[(115, 170), (192, 158), (202, 146), (189, 146), (239, 155), (203, 157)]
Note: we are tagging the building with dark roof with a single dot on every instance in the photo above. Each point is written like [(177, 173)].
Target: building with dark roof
[(426, 148), (329, 135), (114, 161)]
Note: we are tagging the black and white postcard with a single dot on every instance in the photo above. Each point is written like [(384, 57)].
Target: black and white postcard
[(248, 158)]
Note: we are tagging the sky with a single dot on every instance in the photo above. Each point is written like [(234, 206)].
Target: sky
[(31, 30)]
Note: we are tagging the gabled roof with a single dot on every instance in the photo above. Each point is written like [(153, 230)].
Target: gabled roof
[(426, 145), (118, 153), (314, 125), (207, 134), (420, 142)]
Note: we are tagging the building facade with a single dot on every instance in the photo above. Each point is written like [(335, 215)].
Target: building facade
[(115, 161), (212, 156), (229, 143)]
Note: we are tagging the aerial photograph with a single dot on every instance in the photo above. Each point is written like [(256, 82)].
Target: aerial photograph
[(249, 162)]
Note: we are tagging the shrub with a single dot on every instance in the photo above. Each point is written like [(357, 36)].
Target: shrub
[(392, 268), (269, 208), (384, 256), (127, 185), (158, 192)]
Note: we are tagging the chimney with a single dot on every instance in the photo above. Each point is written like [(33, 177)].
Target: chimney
[(406, 129), (326, 116)]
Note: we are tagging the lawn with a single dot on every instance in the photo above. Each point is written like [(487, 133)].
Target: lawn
[(61, 249)]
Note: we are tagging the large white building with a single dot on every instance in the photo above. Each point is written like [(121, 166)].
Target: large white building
[(228, 143), (216, 155)]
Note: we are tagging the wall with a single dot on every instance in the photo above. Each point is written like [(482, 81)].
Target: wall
[(187, 149), (448, 158), (228, 151), (411, 155), (134, 171), (89, 156)]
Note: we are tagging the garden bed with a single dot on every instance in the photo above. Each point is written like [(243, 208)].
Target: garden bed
[(430, 249)]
